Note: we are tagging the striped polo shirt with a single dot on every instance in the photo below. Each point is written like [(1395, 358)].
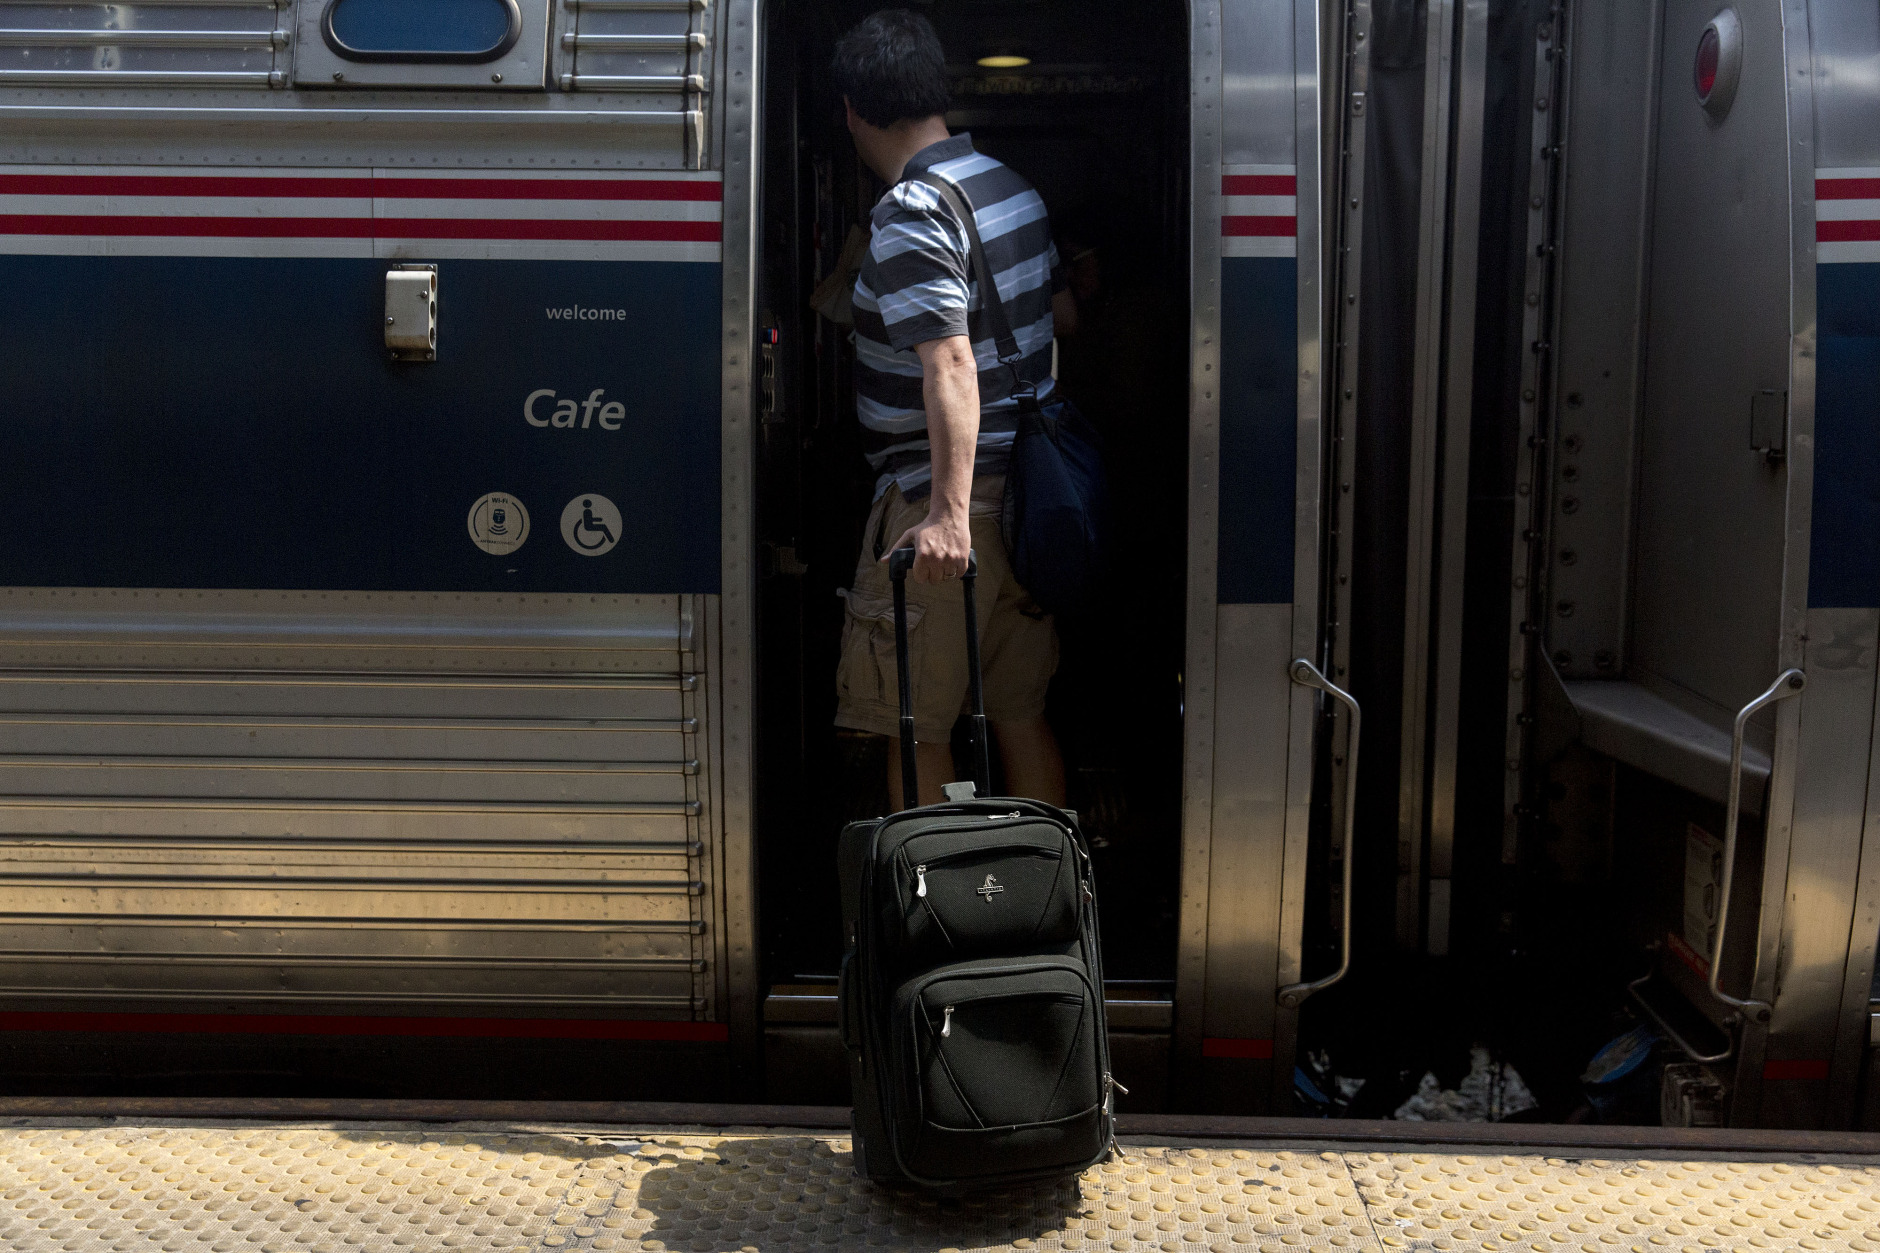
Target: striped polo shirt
[(917, 284)]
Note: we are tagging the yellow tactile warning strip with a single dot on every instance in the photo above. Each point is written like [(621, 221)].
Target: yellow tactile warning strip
[(1441, 1201), (338, 1187)]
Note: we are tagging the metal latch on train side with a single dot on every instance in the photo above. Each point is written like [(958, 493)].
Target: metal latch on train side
[(1769, 423), (411, 312)]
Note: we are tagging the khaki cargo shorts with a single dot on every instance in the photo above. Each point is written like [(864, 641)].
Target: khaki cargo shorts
[(1018, 643)]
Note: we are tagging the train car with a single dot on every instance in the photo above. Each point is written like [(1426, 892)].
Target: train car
[(439, 649), (432, 482)]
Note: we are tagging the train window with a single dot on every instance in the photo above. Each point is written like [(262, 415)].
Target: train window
[(488, 44), (422, 30)]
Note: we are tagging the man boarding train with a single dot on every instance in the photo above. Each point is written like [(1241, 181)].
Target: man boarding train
[(938, 413)]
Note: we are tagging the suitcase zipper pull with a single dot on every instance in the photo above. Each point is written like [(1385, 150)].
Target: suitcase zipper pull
[(1088, 894), (1109, 1085), (946, 1023), (920, 881)]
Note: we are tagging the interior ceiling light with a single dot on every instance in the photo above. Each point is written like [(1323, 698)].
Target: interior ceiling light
[(1004, 61)]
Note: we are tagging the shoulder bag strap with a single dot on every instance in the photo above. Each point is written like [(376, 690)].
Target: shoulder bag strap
[(991, 304)]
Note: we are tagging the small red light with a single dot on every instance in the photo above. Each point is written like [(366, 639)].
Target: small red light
[(1709, 48)]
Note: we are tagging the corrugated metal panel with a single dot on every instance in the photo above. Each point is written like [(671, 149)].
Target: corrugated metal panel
[(523, 831), (187, 43), (636, 45), (658, 48)]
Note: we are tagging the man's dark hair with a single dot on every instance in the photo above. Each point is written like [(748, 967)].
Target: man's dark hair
[(892, 69)]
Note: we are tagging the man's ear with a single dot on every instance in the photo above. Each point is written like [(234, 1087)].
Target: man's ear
[(848, 113)]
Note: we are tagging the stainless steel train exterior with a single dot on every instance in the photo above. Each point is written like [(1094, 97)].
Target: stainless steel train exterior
[(1700, 538), (1691, 648), (391, 665), (311, 709), (379, 639)]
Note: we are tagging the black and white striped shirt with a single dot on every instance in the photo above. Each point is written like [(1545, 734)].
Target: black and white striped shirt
[(917, 285)]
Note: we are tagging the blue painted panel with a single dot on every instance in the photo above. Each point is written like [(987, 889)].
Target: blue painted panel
[(236, 423), (1259, 428), (1844, 559)]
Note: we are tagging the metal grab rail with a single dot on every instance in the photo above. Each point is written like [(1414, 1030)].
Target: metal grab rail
[(1306, 674), (1670, 1032), (1789, 683)]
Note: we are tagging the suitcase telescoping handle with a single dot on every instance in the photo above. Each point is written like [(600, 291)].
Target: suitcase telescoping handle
[(900, 561)]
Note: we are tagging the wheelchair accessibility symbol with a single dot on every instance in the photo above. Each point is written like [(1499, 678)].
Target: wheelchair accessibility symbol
[(590, 524)]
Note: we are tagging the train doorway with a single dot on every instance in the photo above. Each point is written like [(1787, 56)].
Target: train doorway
[(1089, 102)]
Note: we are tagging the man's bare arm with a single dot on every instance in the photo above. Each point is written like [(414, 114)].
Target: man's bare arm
[(950, 387)]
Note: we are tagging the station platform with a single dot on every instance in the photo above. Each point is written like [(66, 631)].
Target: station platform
[(85, 1183)]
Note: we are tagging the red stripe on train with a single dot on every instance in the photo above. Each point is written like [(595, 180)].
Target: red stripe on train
[(1240, 1049), (501, 228), (360, 187), (1698, 963), (1236, 226), (359, 228), (1847, 189), (1259, 185), (547, 189), (1844, 232), (1796, 1068), (330, 1024)]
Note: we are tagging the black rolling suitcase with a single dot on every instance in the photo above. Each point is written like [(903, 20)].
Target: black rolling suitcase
[(972, 988)]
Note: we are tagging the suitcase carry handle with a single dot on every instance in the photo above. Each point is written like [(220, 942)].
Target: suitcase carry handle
[(900, 561)]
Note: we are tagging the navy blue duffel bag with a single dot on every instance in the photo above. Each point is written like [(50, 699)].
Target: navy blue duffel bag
[(1056, 505)]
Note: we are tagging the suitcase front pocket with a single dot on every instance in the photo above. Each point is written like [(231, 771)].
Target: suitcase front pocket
[(1003, 1070), (962, 895)]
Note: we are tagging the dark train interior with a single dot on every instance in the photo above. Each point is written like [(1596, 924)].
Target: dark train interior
[(1096, 118)]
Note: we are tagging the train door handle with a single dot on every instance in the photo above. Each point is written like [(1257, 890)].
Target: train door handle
[(1635, 990), (1306, 674), (1789, 683)]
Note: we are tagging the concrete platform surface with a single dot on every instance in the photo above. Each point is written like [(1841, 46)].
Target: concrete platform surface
[(89, 1185)]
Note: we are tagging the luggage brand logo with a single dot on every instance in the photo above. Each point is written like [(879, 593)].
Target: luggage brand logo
[(989, 889)]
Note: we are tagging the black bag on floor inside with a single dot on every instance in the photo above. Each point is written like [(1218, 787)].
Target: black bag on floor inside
[(972, 988)]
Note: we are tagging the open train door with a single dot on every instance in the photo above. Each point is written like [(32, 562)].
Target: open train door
[(1252, 712)]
